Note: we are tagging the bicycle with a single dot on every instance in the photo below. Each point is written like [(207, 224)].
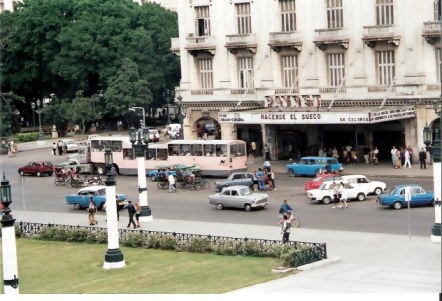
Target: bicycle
[(295, 221)]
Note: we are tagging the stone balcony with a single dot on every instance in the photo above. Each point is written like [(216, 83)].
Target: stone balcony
[(289, 39), (200, 44), (236, 42), (380, 33), (431, 31), (175, 45), (330, 36)]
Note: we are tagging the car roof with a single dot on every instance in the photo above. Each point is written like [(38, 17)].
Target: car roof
[(92, 188), (39, 161), (237, 187), (353, 176), (314, 157), (407, 185)]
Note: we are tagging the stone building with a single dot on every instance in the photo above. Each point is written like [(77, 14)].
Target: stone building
[(310, 73)]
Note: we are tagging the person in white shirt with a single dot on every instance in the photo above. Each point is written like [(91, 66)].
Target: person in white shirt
[(393, 156), (171, 180), (407, 159)]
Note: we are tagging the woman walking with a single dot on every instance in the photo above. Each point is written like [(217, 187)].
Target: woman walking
[(137, 213)]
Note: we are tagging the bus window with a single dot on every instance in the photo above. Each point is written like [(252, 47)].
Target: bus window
[(185, 150), (209, 150), (174, 150), (237, 150), (117, 146), (151, 154), (162, 154), (221, 150), (96, 146), (197, 150), (128, 153)]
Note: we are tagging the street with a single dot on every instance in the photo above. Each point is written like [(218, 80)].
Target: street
[(40, 194)]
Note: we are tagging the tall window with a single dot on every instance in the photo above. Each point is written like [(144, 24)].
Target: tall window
[(202, 21), (289, 70), (336, 68), (205, 73), (288, 15), (245, 69), (438, 62), (437, 10), (386, 68), (334, 14), (243, 18), (384, 12)]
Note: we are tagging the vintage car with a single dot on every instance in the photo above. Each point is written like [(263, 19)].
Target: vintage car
[(235, 178), (69, 145), (313, 166), (239, 196), (81, 198), (154, 135), (396, 197), (37, 168), (374, 187), (324, 194), (316, 182)]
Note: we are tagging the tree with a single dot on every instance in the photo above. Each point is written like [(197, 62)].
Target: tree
[(126, 90), (9, 122), (83, 111)]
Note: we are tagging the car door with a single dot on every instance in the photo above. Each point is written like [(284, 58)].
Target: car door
[(237, 179), (418, 196), (226, 198), (245, 180), (235, 199), (83, 198)]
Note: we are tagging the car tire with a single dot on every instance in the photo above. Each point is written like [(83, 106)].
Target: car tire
[(326, 200), (57, 182), (50, 174), (247, 207), (291, 173), (219, 206), (77, 206), (317, 173), (222, 187), (22, 173), (101, 170), (101, 207), (360, 197), (378, 190), (397, 205), (38, 174), (153, 178)]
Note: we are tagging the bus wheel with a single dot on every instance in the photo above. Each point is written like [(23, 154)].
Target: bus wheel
[(101, 170)]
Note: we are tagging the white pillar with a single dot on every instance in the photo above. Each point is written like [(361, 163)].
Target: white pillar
[(437, 196), (9, 257), (142, 190), (113, 258)]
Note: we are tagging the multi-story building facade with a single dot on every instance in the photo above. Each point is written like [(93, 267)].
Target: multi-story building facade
[(310, 73)]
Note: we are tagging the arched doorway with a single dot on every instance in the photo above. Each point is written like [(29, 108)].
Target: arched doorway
[(207, 126)]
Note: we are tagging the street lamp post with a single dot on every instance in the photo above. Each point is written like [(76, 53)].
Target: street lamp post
[(168, 95), (9, 247), (33, 114), (140, 141), (182, 112), (113, 259), (144, 114)]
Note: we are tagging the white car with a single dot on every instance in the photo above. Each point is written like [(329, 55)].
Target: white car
[(324, 193), (69, 145), (173, 129), (154, 135), (373, 187)]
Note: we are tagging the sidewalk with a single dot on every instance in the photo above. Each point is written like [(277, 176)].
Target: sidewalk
[(358, 263)]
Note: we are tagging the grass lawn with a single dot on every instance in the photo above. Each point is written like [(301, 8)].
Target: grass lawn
[(47, 267)]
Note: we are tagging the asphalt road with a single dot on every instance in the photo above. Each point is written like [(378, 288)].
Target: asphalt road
[(40, 194)]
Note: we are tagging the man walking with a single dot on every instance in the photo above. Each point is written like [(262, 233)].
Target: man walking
[(407, 159), (131, 210), (171, 180), (423, 158)]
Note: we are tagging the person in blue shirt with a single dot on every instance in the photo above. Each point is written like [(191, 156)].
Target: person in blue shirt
[(260, 176), (285, 207)]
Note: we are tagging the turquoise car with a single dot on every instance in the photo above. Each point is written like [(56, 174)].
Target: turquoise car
[(313, 166), (396, 198)]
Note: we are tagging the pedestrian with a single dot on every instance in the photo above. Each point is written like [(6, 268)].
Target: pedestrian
[(54, 148), (342, 196), (252, 152), (336, 196), (398, 159), (285, 208), (407, 158), (171, 180), (272, 179), (423, 158), (131, 210), (267, 152), (376, 156), (393, 156), (60, 147), (366, 154), (261, 181), (286, 225), (267, 166), (402, 152), (410, 150), (137, 213), (255, 181), (118, 207), (92, 209)]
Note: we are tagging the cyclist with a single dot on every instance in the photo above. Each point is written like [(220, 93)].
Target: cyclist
[(285, 207)]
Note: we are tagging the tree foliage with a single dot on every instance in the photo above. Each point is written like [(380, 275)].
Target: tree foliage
[(66, 46)]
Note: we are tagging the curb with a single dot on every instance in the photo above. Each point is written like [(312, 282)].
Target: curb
[(317, 264)]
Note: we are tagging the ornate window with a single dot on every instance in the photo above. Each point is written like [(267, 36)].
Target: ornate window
[(243, 18), (245, 70), (336, 68), (385, 67), (205, 73), (289, 70), (202, 21), (288, 15), (335, 14), (384, 12)]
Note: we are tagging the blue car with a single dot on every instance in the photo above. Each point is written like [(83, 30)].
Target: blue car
[(154, 174), (81, 198), (313, 166), (396, 197)]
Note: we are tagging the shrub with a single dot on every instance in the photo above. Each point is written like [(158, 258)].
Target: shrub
[(162, 242), (52, 233), (231, 247), (25, 137), (135, 239), (77, 235), (101, 237), (199, 245), (18, 231), (250, 248)]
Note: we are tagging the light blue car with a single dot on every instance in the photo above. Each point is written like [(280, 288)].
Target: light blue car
[(81, 198), (313, 166), (396, 198)]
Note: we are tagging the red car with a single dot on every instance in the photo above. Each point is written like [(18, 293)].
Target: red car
[(37, 168), (316, 182)]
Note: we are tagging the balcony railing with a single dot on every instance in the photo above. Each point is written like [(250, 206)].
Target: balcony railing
[(328, 90), (202, 92), (243, 91), (380, 89), (374, 33), (431, 31), (203, 42), (285, 38), (240, 39), (288, 91)]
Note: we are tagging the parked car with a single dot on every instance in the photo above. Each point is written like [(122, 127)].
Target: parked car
[(235, 178), (69, 145), (313, 166), (239, 196), (316, 182), (173, 129), (396, 197), (154, 135), (374, 187), (324, 194), (81, 198), (37, 168)]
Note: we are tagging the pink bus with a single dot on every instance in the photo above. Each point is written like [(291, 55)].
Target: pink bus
[(213, 157)]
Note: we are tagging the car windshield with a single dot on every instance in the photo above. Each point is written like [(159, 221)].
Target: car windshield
[(245, 191), (323, 186), (69, 142), (317, 179), (393, 190)]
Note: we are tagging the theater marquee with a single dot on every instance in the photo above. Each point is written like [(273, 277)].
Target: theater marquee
[(319, 117)]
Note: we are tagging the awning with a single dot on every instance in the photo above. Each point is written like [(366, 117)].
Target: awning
[(353, 115)]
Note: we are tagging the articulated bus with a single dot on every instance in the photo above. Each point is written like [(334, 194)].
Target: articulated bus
[(213, 157)]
